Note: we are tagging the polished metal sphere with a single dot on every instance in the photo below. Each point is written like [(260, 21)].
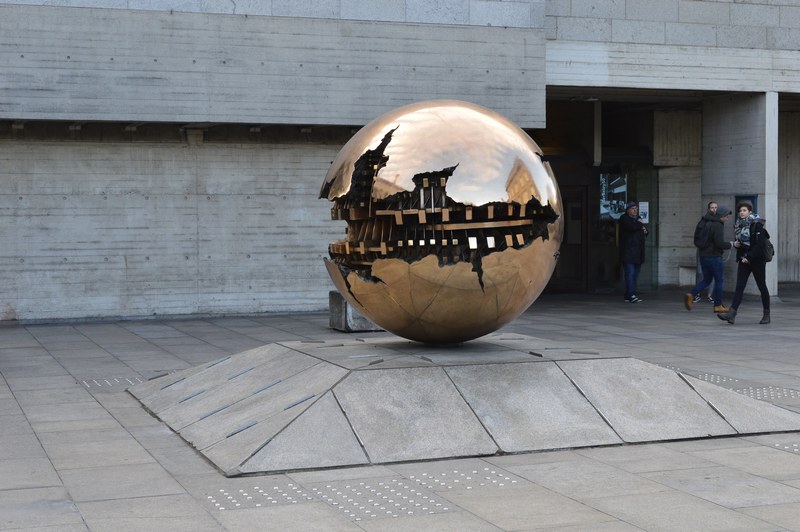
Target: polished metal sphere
[(453, 221)]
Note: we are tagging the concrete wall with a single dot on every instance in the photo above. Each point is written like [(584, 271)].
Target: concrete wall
[(788, 245), (103, 229), (111, 64), (766, 24), (107, 226), (655, 66), (516, 13)]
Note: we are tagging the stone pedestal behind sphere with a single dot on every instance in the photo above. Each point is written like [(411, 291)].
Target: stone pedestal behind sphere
[(316, 404)]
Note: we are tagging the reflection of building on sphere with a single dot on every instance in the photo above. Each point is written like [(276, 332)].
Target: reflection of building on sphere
[(424, 264), (424, 221)]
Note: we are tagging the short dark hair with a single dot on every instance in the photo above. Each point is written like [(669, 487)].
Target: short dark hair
[(709, 204), (744, 204)]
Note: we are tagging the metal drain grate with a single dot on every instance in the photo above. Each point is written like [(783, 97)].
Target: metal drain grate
[(258, 496), (768, 393), (762, 393), (111, 382), (708, 377), (380, 499), (716, 379), (794, 448), (464, 479)]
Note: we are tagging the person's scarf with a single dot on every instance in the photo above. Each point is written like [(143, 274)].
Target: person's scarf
[(742, 228)]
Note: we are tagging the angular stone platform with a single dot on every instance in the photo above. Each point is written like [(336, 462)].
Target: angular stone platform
[(309, 405)]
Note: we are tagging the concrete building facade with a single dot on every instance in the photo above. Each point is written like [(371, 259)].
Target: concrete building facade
[(164, 158)]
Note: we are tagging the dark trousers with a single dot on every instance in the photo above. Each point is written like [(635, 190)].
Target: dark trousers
[(631, 277), (713, 268), (758, 268)]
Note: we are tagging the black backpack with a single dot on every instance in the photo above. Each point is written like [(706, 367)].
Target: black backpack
[(702, 233)]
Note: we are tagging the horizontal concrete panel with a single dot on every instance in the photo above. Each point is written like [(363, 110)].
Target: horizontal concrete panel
[(100, 64), (574, 63), (136, 228)]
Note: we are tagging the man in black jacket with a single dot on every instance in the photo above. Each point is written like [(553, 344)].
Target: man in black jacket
[(711, 248), (632, 233)]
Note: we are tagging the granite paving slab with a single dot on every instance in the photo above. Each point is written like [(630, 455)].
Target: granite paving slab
[(780, 515), (69, 416), (16, 446), (36, 508), (583, 479), (531, 406), (313, 516), (408, 414), (319, 437), (643, 402), (290, 395), (169, 390), (645, 458), (745, 416), (241, 383), (96, 453), (727, 486), (766, 462), (119, 482), (347, 354), (166, 512), (23, 473), (522, 508), (679, 512)]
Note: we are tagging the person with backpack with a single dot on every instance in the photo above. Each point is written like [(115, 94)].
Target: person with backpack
[(710, 244), (753, 251)]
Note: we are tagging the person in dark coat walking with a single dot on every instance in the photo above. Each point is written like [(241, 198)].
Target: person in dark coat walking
[(632, 234), (751, 242), (710, 251)]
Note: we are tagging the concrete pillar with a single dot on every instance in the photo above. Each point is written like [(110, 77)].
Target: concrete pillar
[(769, 202), (740, 158)]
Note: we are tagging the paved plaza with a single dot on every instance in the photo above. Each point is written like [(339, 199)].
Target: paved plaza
[(78, 452)]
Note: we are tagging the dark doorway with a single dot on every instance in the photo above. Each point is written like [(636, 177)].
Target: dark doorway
[(571, 270)]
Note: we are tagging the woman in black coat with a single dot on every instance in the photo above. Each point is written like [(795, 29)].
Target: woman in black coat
[(751, 241)]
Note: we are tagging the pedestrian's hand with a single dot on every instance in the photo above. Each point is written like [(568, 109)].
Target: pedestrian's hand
[(744, 259)]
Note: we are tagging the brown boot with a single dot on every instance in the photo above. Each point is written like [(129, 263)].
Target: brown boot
[(720, 309), (688, 300)]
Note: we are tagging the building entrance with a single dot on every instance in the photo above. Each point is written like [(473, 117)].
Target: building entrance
[(570, 274)]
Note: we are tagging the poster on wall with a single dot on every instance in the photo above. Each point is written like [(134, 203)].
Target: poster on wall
[(613, 195), (644, 211)]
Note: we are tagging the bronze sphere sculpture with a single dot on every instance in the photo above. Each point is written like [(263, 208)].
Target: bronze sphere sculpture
[(453, 221)]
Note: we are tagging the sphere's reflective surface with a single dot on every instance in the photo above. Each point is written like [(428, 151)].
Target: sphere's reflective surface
[(453, 221)]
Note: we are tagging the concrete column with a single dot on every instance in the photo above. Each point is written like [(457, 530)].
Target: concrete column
[(740, 158), (769, 202)]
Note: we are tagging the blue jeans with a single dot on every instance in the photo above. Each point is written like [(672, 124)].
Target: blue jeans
[(631, 276), (713, 268)]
